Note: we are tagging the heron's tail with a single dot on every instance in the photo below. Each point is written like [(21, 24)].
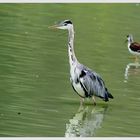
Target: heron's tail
[(110, 96), (107, 95)]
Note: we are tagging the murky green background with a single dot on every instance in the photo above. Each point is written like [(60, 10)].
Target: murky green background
[(36, 98)]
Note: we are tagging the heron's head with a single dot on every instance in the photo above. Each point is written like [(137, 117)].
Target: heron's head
[(65, 25), (129, 38)]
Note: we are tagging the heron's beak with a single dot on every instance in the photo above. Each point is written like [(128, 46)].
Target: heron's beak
[(53, 27)]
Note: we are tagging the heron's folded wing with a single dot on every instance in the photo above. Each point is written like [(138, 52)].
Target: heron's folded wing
[(92, 83)]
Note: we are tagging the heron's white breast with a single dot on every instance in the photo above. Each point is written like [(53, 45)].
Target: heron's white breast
[(79, 89), (74, 72)]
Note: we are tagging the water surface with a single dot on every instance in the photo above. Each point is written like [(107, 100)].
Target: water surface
[(36, 95)]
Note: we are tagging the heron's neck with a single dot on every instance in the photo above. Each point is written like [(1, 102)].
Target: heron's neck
[(72, 57)]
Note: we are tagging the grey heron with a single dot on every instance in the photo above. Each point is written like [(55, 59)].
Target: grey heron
[(133, 47), (85, 82)]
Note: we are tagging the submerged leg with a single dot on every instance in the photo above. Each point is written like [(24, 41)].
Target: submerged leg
[(81, 107), (94, 101), (82, 101)]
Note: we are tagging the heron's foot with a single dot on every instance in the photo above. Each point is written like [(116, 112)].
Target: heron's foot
[(94, 103)]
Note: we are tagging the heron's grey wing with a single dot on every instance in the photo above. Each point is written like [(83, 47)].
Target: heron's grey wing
[(92, 83)]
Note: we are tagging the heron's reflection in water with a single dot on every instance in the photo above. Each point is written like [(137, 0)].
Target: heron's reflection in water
[(131, 69), (86, 121)]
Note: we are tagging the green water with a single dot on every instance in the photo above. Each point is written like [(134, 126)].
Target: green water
[(36, 98)]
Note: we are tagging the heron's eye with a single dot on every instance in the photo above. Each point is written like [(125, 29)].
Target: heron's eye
[(65, 24)]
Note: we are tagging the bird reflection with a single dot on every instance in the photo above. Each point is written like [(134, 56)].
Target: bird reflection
[(131, 69), (86, 121)]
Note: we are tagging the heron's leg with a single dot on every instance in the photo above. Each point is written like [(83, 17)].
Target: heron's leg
[(81, 107), (94, 101), (82, 101)]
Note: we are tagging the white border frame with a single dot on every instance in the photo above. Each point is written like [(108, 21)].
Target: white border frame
[(69, 1)]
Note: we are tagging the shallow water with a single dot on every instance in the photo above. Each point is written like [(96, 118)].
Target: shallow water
[(36, 95)]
